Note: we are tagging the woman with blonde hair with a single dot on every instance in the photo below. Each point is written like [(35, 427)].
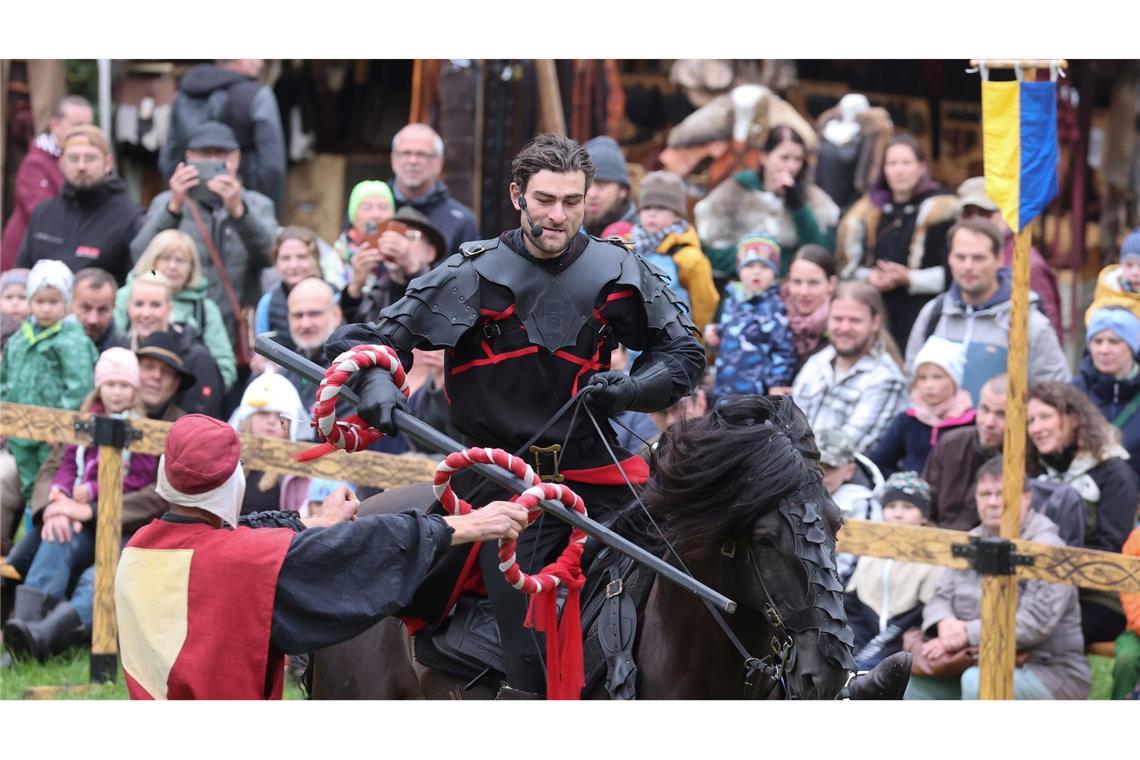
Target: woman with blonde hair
[(172, 254), (295, 255)]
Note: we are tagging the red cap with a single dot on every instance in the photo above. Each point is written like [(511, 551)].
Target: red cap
[(201, 454)]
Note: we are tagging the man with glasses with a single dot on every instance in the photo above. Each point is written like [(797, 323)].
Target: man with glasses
[(417, 162), (92, 220)]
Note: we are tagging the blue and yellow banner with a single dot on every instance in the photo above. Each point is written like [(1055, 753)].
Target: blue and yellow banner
[(1019, 126)]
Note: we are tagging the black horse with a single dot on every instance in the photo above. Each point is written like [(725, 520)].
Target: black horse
[(738, 495)]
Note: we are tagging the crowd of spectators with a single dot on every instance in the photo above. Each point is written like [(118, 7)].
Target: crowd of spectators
[(887, 323)]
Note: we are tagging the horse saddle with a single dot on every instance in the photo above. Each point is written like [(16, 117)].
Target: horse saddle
[(467, 644)]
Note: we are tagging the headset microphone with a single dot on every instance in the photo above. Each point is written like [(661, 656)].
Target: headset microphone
[(535, 229)]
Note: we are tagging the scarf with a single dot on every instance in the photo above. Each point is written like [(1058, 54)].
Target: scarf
[(48, 144), (807, 329), (646, 243), (952, 408)]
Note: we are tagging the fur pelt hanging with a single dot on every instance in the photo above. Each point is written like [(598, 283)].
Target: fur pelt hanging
[(732, 210), (876, 128), (714, 120)]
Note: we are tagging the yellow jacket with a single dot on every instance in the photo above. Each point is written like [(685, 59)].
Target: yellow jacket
[(695, 273), (1109, 292)]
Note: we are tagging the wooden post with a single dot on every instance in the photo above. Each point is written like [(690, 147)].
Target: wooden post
[(550, 115), (996, 657), (108, 536)]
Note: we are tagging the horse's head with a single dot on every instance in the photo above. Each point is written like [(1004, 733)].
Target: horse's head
[(741, 488)]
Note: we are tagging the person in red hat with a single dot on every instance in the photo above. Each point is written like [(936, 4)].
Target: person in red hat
[(208, 608)]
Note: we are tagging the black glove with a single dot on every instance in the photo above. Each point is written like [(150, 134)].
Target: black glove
[(650, 390), (794, 197), (379, 399)]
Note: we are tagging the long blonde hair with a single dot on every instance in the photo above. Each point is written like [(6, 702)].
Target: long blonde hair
[(163, 243)]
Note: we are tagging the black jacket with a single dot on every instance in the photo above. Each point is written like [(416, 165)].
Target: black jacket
[(207, 394), (209, 93), (90, 227), (454, 221)]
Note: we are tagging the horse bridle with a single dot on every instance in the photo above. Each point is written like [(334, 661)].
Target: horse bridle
[(761, 674)]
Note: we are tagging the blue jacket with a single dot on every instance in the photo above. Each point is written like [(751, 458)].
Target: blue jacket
[(907, 443), (755, 351), (1111, 396)]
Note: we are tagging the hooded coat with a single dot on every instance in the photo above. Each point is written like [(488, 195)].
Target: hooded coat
[(207, 92), (1048, 620), (193, 307), (984, 329)]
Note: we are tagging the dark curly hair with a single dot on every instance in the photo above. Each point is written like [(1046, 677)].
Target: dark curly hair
[(1094, 432), (554, 153)]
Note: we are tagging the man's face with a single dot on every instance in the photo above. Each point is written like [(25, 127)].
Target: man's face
[(603, 201), (158, 382), (988, 495), (556, 202), (93, 308), (313, 315), (416, 162), (834, 477), (973, 263), (70, 116), (232, 158), (990, 419), (84, 165), (149, 308), (852, 327)]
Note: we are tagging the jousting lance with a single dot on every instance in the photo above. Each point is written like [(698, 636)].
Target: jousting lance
[(430, 438)]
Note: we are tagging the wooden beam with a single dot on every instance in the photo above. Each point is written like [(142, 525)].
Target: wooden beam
[(997, 653), (1012, 63), (550, 115), (1087, 568), (364, 468), (108, 538)]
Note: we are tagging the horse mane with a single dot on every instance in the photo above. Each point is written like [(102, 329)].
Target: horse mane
[(716, 474)]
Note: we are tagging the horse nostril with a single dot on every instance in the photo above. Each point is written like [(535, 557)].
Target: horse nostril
[(808, 686)]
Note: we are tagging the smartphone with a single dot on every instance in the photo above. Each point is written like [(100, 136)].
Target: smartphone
[(371, 235), (207, 170)]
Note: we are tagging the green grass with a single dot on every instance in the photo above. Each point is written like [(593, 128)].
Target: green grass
[(72, 668)]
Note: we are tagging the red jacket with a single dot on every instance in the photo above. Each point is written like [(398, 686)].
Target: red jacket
[(195, 609), (38, 179)]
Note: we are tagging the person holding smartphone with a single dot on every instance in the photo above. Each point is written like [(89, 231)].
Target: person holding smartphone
[(239, 222)]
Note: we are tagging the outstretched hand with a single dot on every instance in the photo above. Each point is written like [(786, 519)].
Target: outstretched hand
[(499, 519), (339, 506)]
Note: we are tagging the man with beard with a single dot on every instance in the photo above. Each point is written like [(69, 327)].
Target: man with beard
[(608, 199), (976, 311), (39, 177), (417, 162), (93, 304), (529, 318), (856, 384), (92, 221)]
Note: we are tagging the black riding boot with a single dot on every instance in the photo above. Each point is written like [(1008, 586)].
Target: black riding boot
[(29, 606), (59, 629), (887, 680)]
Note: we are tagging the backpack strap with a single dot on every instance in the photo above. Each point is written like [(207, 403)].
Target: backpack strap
[(1127, 412)]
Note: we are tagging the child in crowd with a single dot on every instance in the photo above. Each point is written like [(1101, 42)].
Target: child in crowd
[(68, 533), (14, 294), (663, 238), (271, 408), (885, 597), (47, 362), (937, 403), (1126, 668), (752, 336), (850, 487), (1119, 284)]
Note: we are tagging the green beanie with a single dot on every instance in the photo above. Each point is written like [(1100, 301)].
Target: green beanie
[(363, 190)]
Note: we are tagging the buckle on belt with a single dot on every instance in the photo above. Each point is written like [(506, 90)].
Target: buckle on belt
[(553, 450), (614, 588)]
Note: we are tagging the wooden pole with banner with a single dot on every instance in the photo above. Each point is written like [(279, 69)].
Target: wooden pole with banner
[(108, 536)]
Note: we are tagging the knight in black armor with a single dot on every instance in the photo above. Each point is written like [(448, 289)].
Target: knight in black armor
[(527, 320)]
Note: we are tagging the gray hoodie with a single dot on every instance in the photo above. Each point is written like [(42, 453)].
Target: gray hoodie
[(1048, 625)]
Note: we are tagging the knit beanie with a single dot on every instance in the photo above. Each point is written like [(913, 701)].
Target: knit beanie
[(13, 277), (943, 353), (1131, 245), (1122, 322), (758, 246), (609, 160), (271, 392), (49, 273), (363, 190), (201, 467), (117, 364), (906, 486), (663, 190)]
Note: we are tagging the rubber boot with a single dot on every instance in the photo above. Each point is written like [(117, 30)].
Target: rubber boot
[(887, 680), (30, 605), (507, 693), (60, 629)]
